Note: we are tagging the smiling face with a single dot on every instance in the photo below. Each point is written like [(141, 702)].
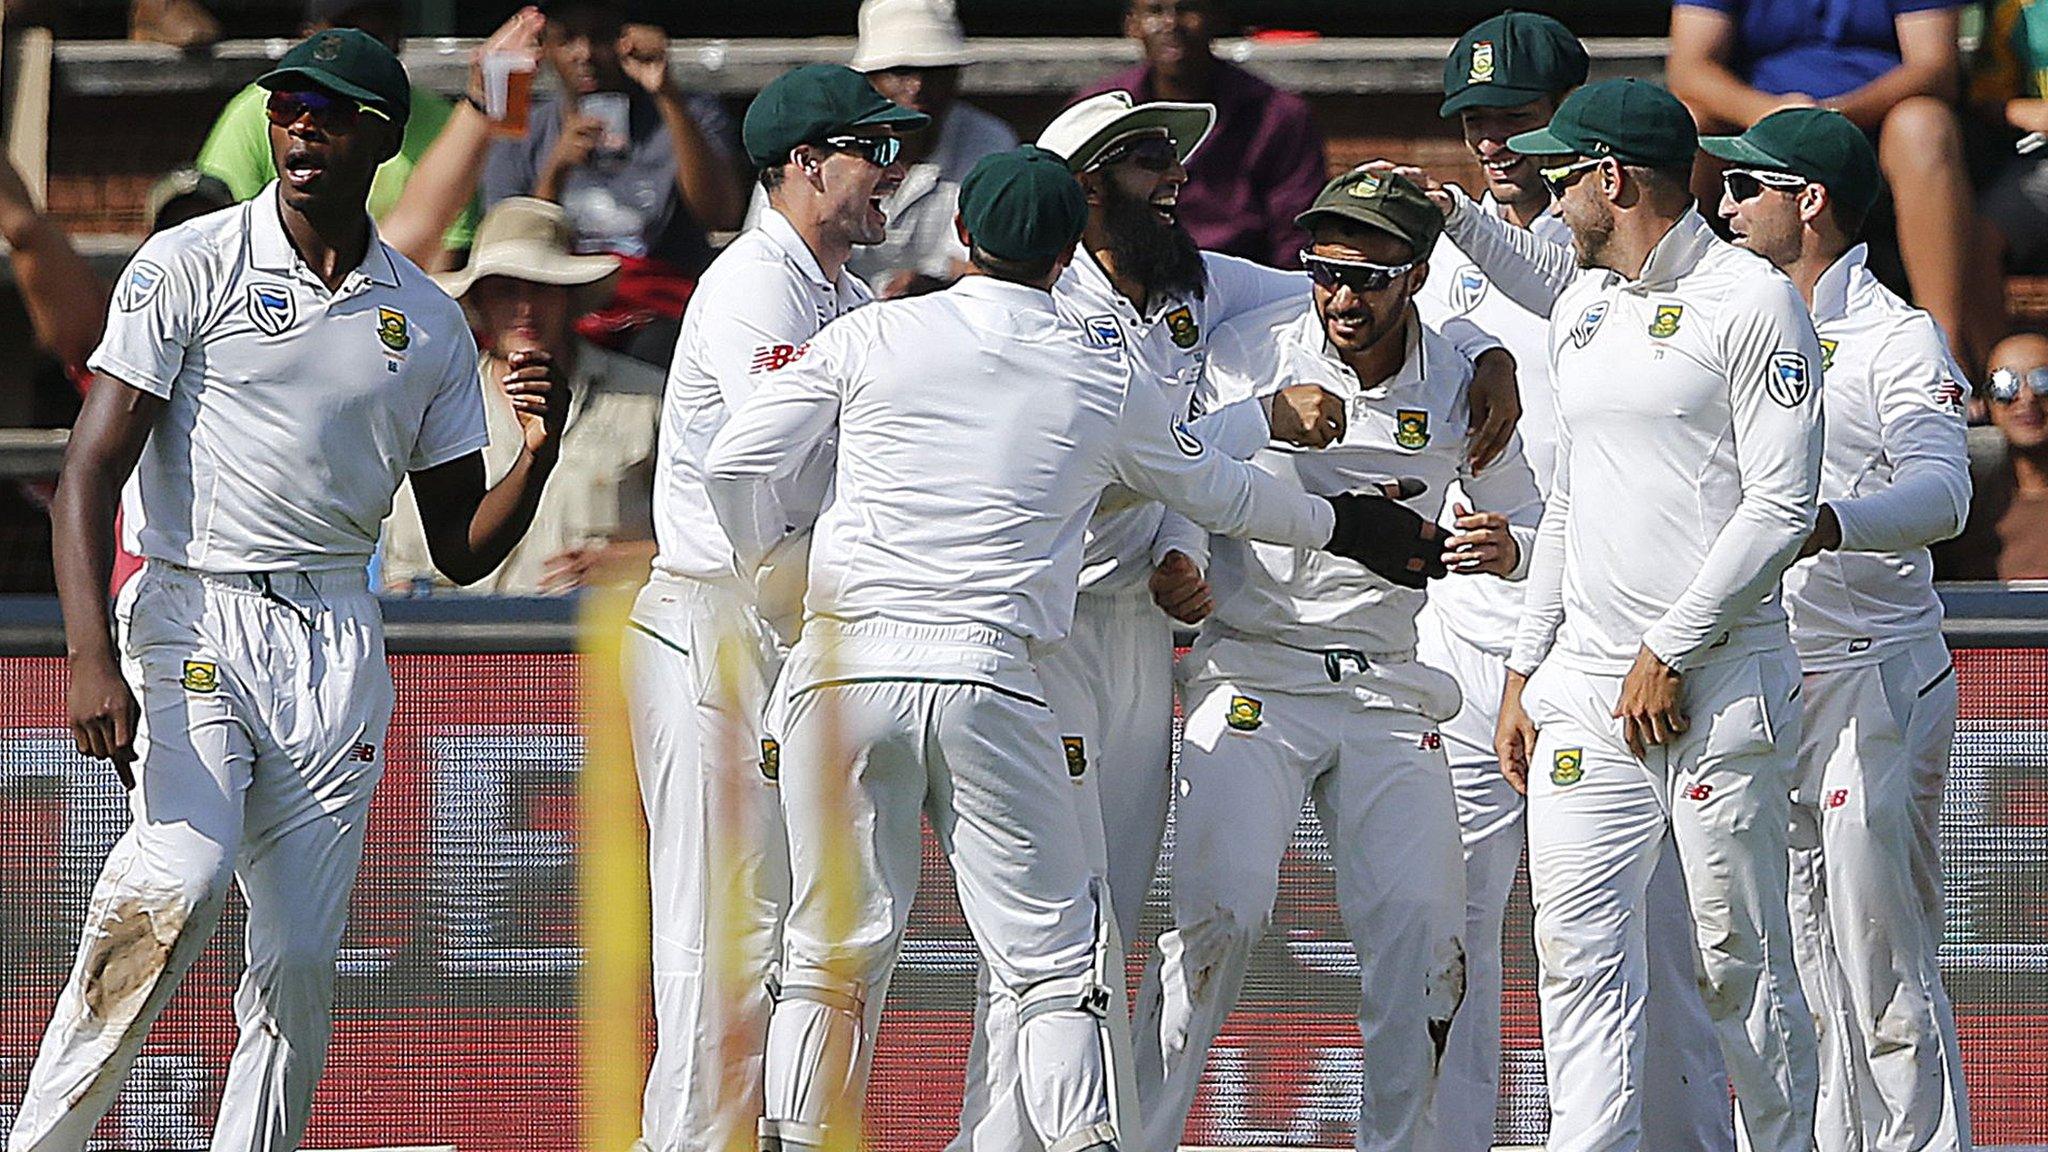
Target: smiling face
[(581, 43), (1767, 223), (851, 187), (1133, 211), (1510, 176), (330, 159), (1584, 205), (1355, 321)]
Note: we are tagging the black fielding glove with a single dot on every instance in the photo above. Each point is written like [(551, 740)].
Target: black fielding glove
[(1388, 538)]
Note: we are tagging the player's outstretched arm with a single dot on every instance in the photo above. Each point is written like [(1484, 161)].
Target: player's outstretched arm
[(470, 529), (105, 444)]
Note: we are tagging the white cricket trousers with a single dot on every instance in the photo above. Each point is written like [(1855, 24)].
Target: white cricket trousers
[(1598, 820), (1682, 1068), (1262, 737), (698, 665), (867, 747), (265, 700), (1110, 684), (1866, 903)]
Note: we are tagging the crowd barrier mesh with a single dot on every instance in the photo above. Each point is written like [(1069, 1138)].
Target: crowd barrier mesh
[(456, 1019)]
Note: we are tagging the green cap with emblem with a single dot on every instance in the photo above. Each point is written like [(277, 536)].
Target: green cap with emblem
[(1380, 200), (807, 104), (1023, 204), (347, 62), (1510, 60), (1819, 144), (1631, 120)]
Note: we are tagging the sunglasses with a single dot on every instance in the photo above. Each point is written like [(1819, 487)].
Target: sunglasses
[(2005, 383), (329, 113), (1744, 184), (1560, 178), (881, 151), (1152, 153), (1357, 275)]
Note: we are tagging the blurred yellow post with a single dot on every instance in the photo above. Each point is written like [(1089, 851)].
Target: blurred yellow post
[(612, 878)]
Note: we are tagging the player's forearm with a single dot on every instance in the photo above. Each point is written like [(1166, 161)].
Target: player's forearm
[(1543, 593), (1923, 506), (710, 186), (1743, 565), (1238, 430), (500, 520), (82, 552), (1530, 270)]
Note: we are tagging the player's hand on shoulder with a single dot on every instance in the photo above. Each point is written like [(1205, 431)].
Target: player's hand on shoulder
[(1481, 544), (540, 398), (1388, 537), (1179, 589), (1306, 416), (103, 713)]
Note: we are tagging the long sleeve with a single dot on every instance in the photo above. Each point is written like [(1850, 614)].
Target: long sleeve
[(791, 412), (1177, 533), (1772, 360), (1159, 458), (1543, 592), (1919, 394), (1530, 270), (1508, 486)]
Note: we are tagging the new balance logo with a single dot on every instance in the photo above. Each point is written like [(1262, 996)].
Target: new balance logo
[(364, 753), (1838, 797), (1699, 791), (1431, 741), (773, 357)]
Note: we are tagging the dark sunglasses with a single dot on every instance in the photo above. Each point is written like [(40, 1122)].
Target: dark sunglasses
[(329, 113), (1743, 184), (881, 151), (1357, 275), (2005, 384), (1152, 153), (1560, 178)]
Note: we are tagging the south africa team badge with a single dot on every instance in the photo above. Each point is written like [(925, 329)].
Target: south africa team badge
[(1665, 325), (1481, 71), (1077, 756), (200, 676), (1244, 714), (1567, 766), (391, 329), (1180, 324), (1411, 427), (771, 760)]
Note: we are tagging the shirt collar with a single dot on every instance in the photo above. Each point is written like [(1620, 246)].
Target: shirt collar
[(777, 228), (271, 250), (1009, 294), (1675, 254), (1831, 291)]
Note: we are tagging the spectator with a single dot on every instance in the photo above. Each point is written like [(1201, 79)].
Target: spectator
[(185, 194), (2006, 537), (646, 194), (912, 52), (237, 150), (1893, 67), (179, 23), (1261, 166), (523, 289), (2010, 89)]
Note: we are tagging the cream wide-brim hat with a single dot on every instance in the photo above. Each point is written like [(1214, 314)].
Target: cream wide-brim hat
[(909, 34), (522, 238), (1089, 128)]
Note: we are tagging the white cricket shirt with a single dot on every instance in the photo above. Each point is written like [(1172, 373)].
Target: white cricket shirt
[(1688, 462), (1895, 470), (1485, 613), (1413, 424), (754, 306), (293, 412), (976, 428)]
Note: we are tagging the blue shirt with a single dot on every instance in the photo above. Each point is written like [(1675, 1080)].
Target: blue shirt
[(1820, 47)]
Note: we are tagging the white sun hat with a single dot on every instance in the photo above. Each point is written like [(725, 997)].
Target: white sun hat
[(909, 34), (1089, 128), (522, 238)]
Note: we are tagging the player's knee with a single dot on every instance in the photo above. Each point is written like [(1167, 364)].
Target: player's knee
[(1223, 932), (1578, 944), (138, 922), (1731, 969)]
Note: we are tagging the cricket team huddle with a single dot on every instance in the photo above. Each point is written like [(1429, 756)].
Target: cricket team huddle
[(1547, 519)]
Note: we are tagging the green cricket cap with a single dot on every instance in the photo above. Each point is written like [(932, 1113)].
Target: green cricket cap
[(1381, 200), (1023, 204), (1510, 60), (347, 62), (1819, 144), (807, 104), (1631, 120)]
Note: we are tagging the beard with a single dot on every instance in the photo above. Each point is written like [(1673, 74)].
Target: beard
[(1161, 256), (1592, 229)]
